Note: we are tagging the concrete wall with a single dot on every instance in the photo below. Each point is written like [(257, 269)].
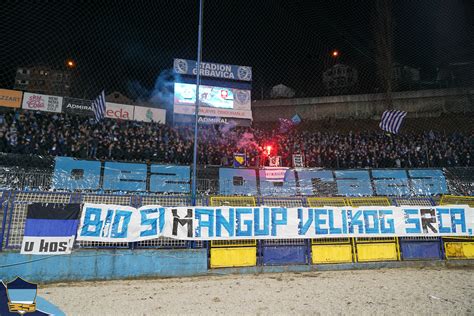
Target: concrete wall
[(423, 103), (104, 265), (109, 264)]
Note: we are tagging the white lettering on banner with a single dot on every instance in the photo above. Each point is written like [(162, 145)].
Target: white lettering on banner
[(207, 111), (119, 111), (114, 223), (41, 102), (188, 67), (215, 73), (79, 107), (276, 174)]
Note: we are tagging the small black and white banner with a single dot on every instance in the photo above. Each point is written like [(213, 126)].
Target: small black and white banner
[(50, 228)]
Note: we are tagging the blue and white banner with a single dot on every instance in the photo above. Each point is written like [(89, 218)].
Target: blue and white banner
[(214, 70), (114, 223), (50, 228)]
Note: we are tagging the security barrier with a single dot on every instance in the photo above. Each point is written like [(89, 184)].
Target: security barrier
[(4, 197), (374, 248), (283, 251), (453, 199), (232, 253), (459, 247), (419, 248), (240, 253), (330, 250), (321, 201)]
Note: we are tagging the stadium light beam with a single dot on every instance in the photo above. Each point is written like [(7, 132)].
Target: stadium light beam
[(197, 101)]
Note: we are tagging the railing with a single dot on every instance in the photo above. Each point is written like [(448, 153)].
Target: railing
[(13, 208), (42, 181), (21, 180)]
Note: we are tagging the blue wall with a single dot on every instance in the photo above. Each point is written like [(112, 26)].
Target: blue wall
[(104, 265), (74, 174)]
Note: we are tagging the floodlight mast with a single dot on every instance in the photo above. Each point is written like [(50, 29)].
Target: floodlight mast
[(196, 107)]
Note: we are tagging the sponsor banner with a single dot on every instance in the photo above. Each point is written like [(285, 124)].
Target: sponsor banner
[(10, 98), (145, 114), (215, 112), (77, 106), (180, 119), (41, 102), (115, 223), (275, 174), (214, 70), (119, 111), (50, 228), (205, 120)]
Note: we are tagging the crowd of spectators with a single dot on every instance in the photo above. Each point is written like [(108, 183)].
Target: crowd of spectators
[(55, 134)]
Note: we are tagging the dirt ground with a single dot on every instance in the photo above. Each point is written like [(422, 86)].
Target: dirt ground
[(390, 291)]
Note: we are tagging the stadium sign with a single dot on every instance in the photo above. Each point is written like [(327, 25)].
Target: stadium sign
[(147, 114), (215, 112), (205, 120), (214, 70), (41, 102), (119, 223), (119, 111), (77, 106), (10, 98)]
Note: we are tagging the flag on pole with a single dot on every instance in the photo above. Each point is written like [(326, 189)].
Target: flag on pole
[(296, 119), (239, 160), (98, 106), (392, 120), (285, 125)]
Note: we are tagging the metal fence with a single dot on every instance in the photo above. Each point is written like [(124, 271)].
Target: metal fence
[(460, 181), (14, 207)]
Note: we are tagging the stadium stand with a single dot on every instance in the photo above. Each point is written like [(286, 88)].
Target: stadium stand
[(46, 134)]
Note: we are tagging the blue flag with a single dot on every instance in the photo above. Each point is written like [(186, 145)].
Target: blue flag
[(239, 160), (296, 119)]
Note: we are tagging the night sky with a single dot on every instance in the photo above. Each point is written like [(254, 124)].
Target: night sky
[(125, 45)]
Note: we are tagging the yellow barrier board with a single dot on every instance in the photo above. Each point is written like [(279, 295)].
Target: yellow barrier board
[(376, 252), (320, 202), (369, 201), (341, 253), (233, 257), (233, 201), (233, 243), (453, 199), (459, 250)]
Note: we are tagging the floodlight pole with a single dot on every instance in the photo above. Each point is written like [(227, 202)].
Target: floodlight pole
[(196, 108)]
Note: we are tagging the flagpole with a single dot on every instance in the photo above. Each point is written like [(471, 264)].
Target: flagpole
[(196, 108)]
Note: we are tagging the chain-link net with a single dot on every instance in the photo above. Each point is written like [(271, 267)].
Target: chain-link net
[(322, 74)]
